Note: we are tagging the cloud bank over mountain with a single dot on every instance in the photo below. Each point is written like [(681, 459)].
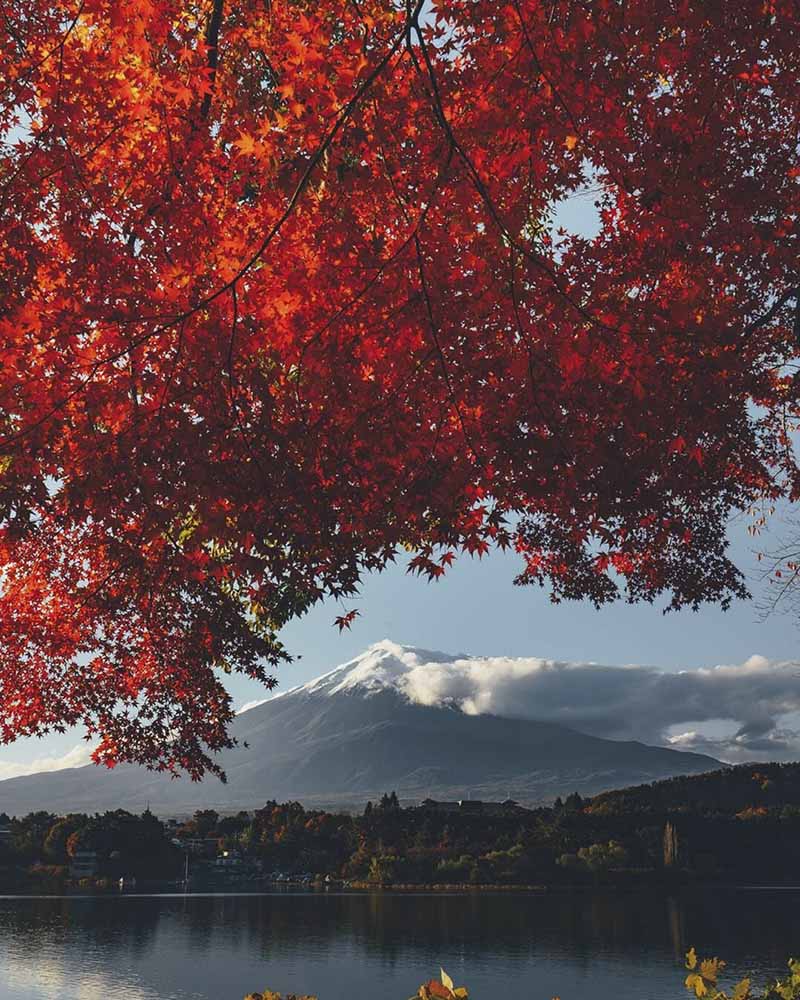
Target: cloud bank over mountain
[(736, 712)]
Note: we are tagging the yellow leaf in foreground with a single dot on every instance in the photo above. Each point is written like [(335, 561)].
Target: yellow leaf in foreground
[(741, 991), (711, 968), (696, 983)]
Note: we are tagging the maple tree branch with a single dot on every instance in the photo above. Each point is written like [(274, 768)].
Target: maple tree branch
[(579, 131), (484, 194), (59, 46), (230, 360), (554, 431), (321, 151), (394, 256), (413, 236), (437, 343), (384, 264), (232, 382), (775, 308), (344, 115), (212, 42), (173, 371)]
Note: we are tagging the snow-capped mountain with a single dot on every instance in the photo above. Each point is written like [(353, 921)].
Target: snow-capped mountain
[(396, 717), (384, 665)]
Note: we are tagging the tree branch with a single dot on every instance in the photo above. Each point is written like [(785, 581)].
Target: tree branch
[(212, 42), (772, 312)]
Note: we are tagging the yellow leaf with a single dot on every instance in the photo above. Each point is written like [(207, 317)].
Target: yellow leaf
[(691, 959), (446, 980), (461, 992), (696, 983), (741, 991), (711, 968), (571, 141)]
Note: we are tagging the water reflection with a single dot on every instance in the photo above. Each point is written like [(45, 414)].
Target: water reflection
[(220, 947)]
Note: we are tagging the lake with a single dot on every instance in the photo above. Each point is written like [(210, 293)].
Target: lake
[(625, 945)]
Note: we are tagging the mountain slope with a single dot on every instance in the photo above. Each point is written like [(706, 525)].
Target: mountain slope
[(354, 733)]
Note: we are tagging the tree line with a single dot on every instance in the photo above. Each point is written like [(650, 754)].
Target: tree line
[(739, 822)]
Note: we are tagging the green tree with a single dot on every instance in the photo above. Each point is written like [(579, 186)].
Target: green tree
[(205, 820), (383, 868), (603, 857)]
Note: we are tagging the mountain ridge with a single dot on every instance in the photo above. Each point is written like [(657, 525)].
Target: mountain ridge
[(353, 733)]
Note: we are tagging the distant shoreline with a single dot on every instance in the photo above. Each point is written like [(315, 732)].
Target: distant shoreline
[(432, 889), (447, 887), (403, 888)]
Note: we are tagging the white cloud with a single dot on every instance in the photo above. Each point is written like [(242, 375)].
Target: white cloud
[(76, 757), (759, 700), (684, 740), (755, 661)]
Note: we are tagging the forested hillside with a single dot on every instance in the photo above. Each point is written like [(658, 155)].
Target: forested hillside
[(759, 788)]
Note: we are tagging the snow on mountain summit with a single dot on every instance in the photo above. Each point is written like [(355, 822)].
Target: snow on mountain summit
[(385, 664), (381, 666)]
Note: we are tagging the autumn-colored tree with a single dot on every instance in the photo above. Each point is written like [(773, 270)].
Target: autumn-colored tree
[(56, 841), (85, 838), (283, 295)]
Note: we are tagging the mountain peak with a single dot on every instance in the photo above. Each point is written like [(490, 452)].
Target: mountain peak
[(382, 665)]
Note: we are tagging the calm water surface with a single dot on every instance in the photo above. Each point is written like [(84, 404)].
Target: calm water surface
[(624, 946)]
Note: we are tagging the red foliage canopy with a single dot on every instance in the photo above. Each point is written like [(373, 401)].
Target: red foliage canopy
[(282, 294)]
